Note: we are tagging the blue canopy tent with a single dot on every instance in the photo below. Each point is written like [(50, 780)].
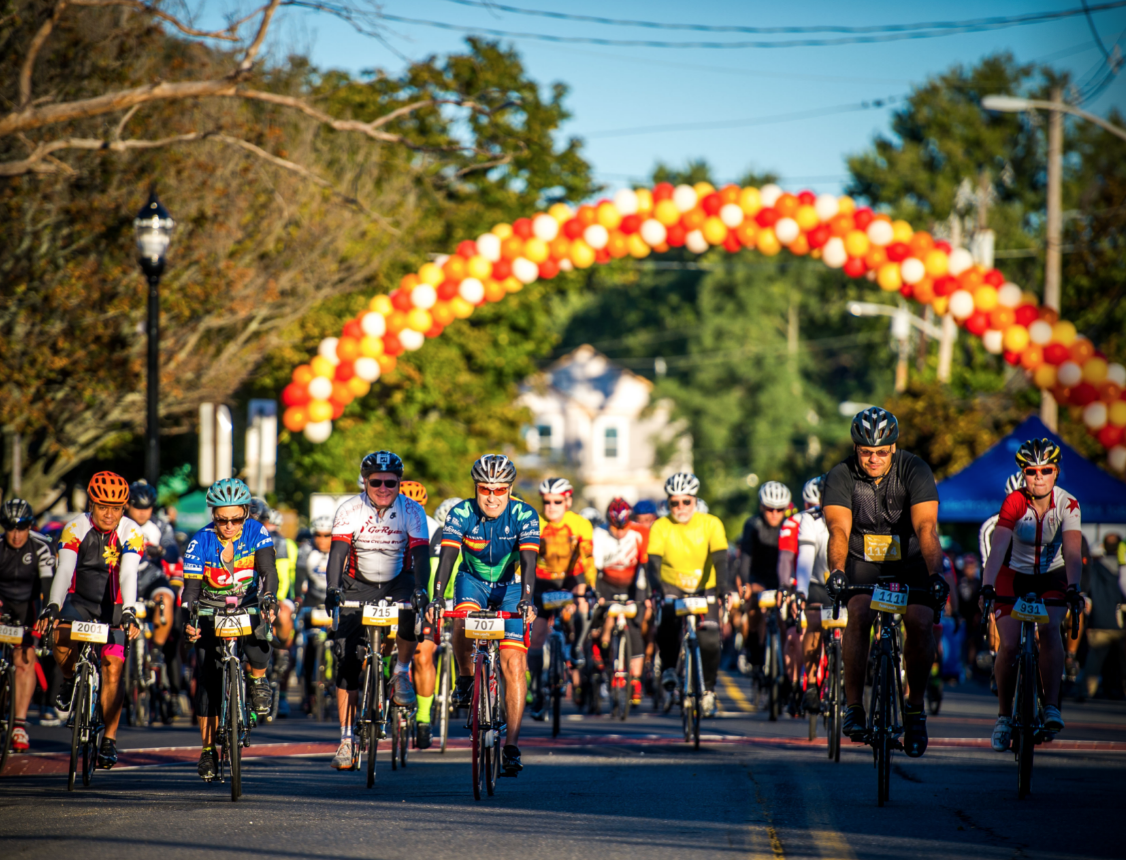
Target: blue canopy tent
[(975, 493)]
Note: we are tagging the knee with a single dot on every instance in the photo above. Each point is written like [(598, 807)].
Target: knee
[(112, 669)]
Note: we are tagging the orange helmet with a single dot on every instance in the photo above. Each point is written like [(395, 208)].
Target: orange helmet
[(413, 490), (108, 488)]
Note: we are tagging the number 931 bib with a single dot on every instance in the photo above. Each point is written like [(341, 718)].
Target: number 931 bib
[(882, 548)]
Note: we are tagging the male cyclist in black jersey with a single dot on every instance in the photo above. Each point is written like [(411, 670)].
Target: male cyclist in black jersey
[(758, 562), (881, 506)]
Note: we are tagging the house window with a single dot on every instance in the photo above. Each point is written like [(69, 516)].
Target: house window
[(610, 443), (543, 432)]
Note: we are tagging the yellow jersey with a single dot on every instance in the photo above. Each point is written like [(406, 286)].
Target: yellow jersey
[(566, 548), (686, 550)]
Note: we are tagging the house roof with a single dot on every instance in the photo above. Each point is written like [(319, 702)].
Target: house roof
[(586, 375)]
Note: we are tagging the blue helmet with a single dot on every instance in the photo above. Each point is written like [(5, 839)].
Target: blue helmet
[(229, 491), (645, 507)]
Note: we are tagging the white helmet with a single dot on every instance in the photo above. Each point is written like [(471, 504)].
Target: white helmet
[(701, 506), (811, 492), (774, 494), (663, 509), (493, 469), (1014, 483), (556, 485), (593, 516), (321, 524), (682, 484), (443, 510)]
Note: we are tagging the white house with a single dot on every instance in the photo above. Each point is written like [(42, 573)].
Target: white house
[(594, 420)]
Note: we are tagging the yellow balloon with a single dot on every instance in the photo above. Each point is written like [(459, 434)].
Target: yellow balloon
[(637, 247), (703, 189), (1016, 338), (582, 255), (319, 410), (560, 212), (901, 231), (807, 217), (1116, 413), (381, 305), (750, 201), (358, 387), (371, 347), (1094, 370), (767, 242), (608, 215), (667, 213), (1064, 332), (1045, 376), (461, 308), (888, 277), (714, 230), (512, 284), (323, 367), (536, 250), (936, 263), (479, 267), (846, 205), (420, 320), (985, 298), (502, 231), (644, 201), (1029, 298), (941, 305), (857, 243), (431, 273)]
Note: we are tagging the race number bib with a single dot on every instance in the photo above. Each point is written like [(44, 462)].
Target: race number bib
[(767, 599), (11, 635), (232, 626), (484, 628), (1030, 610), (319, 617), (89, 631), (557, 599), (881, 548), (892, 599), (626, 610), (692, 606), (382, 615)]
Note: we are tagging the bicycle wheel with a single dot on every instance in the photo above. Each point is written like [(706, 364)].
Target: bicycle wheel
[(834, 727), (319, 682), (774, 679), (492, 751), (442, 701), (8, 711), (555, 683), (625, 658), (476, 728), (883, 695), (76, 732), (406, 736), (698, 697), (234, 742), (1026, 703), (142, 685)]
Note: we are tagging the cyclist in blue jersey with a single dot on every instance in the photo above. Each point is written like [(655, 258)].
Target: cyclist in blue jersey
[(498, 538)]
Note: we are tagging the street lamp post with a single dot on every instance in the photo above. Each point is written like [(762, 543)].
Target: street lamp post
[(152, 229), (902, 321)]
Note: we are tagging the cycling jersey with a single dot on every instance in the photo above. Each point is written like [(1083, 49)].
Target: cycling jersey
[(985, 538), (1037, 543), (686, 550), (380, 544), (490, 548), (203, 561), (617, 559), (21, 569), (565, 549), (98, 568), (807, 536), (316, 577), (759, 549)]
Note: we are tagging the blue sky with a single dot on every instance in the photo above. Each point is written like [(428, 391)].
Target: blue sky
[(617, 88)]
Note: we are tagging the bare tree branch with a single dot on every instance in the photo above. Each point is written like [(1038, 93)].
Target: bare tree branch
[(124, 120), (256, 45), (226, 35), (33, 52)]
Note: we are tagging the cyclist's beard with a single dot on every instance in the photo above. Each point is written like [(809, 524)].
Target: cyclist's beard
[(683, 514)]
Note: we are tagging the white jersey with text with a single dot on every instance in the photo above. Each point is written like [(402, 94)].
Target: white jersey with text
[(380, 545), (807, 535)]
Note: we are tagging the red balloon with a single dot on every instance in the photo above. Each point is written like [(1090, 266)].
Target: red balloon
[(522, 227), (1083, 394), (1026, 315), (602, 255), (662, 191), (977, 323), (401, 300), (676, 236), (863, 217), (295, 395), (819, 235), (807, 198), (855, 267), (711, 203), (448, 289), (572, 229), (501, 270), (1011, 357), (391, 345), (994, 278), (1109, 435), (345, 371), (631, 224), (549, 268), (897, 251), (353, 329), (943, 246), (907, 291), (337, 409), (732, 243), (435, 330), (467, 249), (945, 285), (1056, 353), (766, 217)]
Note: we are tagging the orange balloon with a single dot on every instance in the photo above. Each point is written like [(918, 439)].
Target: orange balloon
[(396, 322), (747, 232), (386, 363), (347, 349), (295, 418), (729, 194), (341, 393), (693, 219), (409, 282), (787, 205), (1032, 356), (494, 291), (358, 387), (1109, 392), (920, 243), (511, 248), (1081, 350), (924, 291), (875, 257), (970, 280), (303, 374), (560, 247), (617, 244), (840, 224), (800, 246), (442, 313), (455, 268), (1000, 317)]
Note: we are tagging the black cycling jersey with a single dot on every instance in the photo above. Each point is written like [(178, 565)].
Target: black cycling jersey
[(21, 569), (882, 531), (758, 548)]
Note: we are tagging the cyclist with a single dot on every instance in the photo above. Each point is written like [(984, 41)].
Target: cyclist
[(688, 556), (232, 556), (285, 622), (96, 580), (881, 505), (803, 547), (1014, 483), (378, 539), (758, 562), (153, 582), (26, 568), (1038, 530), (311, 588), (565, 564), (498, 538)]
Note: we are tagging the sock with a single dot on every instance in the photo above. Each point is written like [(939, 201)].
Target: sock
[(21, 724), (345, 733), (400, 666), (424, 703)]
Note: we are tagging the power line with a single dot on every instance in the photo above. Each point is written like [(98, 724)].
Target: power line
[(1094, 31)]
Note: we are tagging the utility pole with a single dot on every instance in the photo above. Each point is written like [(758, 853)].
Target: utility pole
[(1049, 409), (949, 327)]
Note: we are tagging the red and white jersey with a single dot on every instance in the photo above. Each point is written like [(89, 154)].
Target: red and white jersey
[(617, 559), (807, 536), (1038, 541), (380, 545)]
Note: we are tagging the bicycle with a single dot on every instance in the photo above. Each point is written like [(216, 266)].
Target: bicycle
[(317, 661), (11, 637), (618, 613), (443, 698), (146, 681), (769, 678), (690, 668), (554, 658), (487, 719), (832, 678), (85, 708), (1028, 700)]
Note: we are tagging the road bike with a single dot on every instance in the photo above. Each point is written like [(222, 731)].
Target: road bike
[(619, 613), (554, 682), (11, 638), (487, 718), (147, 687), (317, 662), (689, 667), (87, 725), (1028, 729), (443, 692), (768, 679), (832, 676)]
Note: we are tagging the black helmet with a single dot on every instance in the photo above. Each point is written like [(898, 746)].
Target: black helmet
[(381, 461), (16, 514), (259, 510), (1038, 452), (875, 427), (142, 495)]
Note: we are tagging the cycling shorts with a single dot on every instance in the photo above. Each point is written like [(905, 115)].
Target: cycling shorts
[(78, 610), (818, 594), (210, 653), (473, 593), (350, 630), (1012, 583), (913, 573), (20, 613)]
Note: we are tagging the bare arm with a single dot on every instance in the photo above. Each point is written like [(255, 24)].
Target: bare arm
[(924, 519), (839, 520), (1002, 537), (1073, 556), (787, 562)]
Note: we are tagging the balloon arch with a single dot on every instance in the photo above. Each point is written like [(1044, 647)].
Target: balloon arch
[(636, 223)]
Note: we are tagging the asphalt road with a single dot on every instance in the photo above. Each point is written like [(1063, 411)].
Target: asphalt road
[(603, 789)]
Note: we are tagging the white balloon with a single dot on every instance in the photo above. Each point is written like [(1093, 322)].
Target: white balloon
[(320, 388), (596, 236), (327, 349), (961, 304), (366, 368), (566, 265), (545, 227), (424, 296), (440, 260), (993, 341), (411, 339), (1009, 296), (373, 324), (770, 194), (912, 270), (786, 229), (1068, 374), (732, 215), (488, 246), (1040, 332), (959, 260), (880, 233), (318, 432), (695, 242), (524, 270), (1116, 373), (626, 201), (472, 290), (826, 206), (1094, 415), (1116, 458), (685, 198), (833, 254), (653, 232)]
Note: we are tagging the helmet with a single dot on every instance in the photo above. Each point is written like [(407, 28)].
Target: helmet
[(618, 513), (875, 427), (229, 491), (381, 461), (663, 509), (682, 484), (556, 485), (493, 469), (275, 518), (259, 510), (1015, 482), (142, 495), (811, 492), (108, 488), (701, 506), (413, 490), (1038, 452), (774, 494), (444, 509), (16, 514), (645, 507), (592, 516), (321, 525)]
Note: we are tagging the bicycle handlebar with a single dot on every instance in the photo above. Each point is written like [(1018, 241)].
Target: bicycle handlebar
[(1008, 601), (488, 613)]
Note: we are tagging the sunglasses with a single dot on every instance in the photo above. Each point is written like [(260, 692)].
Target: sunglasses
[(774, 510), (1046, 470), (323, 534), (683, 504), (499, 491), (390, 483), (229, 521), (873, 455), (547, 502)]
